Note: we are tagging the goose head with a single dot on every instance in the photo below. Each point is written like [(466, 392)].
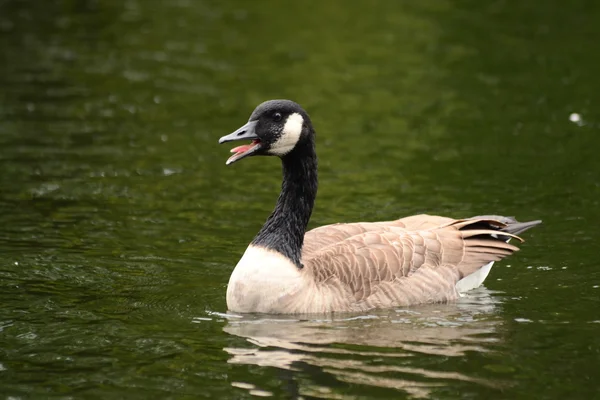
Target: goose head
[(276, 128)]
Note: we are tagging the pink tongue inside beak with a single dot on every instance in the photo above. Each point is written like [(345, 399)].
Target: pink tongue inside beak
[(238, 151), (242, 149)]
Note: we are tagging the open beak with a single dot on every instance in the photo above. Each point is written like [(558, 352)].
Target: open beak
[(246, 132)]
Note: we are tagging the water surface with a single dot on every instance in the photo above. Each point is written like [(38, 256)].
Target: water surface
[(120, 224)]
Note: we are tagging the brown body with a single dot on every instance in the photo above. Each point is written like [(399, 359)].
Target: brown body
[(367, 265)]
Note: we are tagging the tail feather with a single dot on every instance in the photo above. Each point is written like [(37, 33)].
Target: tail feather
[(519, 227), (486, 240), (501, 224)]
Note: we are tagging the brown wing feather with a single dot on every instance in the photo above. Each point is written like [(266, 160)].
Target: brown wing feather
[(391, 266), (323, 236)]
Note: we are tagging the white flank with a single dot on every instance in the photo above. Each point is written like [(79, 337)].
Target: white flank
[(290, 135), (474, 280), (260, 280)]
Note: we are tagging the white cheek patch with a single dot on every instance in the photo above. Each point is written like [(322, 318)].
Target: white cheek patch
[(290, 135)]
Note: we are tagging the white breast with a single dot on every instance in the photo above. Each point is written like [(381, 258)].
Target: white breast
[(260, 280)]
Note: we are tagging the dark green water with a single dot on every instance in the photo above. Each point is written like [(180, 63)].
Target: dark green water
[(120, 224)]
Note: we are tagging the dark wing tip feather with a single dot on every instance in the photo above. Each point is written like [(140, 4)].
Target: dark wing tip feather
[(508, 225), (519, 227)]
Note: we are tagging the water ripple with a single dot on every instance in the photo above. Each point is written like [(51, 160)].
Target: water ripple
[(376, 349)]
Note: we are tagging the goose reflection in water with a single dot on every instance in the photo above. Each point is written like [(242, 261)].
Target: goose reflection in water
[(388, 349)]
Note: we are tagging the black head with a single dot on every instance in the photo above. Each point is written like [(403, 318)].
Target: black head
[(276, 127)]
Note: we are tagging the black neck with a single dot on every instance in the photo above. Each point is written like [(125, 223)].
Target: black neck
[(285, 227)]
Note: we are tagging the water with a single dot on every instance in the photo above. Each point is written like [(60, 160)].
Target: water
[(120, 224)]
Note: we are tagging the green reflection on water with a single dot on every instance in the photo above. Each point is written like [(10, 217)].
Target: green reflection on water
[(119, 223)]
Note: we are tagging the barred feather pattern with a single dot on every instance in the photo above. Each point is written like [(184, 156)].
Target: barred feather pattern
[(420, 259)]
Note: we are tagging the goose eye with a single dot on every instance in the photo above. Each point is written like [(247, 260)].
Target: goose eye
[(277, 117)]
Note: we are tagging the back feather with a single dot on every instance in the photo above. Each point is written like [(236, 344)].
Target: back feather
[(385, 264)]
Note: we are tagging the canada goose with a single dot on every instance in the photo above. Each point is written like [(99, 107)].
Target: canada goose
[(356, 266)]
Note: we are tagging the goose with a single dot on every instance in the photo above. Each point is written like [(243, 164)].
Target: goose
[(349, 267)]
